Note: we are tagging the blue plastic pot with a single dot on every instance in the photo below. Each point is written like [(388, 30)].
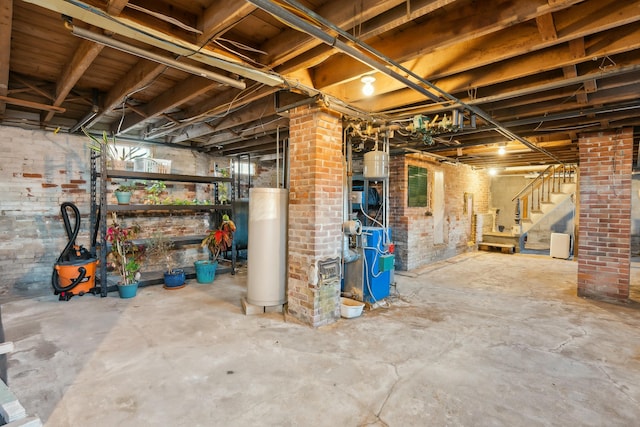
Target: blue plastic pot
[(123, 197), (206, 271), (128, 291)]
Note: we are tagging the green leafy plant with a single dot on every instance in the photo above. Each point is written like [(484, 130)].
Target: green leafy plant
[(125, 256), (109, 145), (223, 187), (154, 192), (220, 239), (110, 148), (126, 188)]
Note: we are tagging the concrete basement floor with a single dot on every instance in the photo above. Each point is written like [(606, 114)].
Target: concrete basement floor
[(482, 339)]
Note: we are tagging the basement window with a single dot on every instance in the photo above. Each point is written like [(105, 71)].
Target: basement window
[(244, 168), (417, 186)]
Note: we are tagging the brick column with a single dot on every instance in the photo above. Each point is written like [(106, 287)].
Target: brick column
[(604, 236), (315, 212)]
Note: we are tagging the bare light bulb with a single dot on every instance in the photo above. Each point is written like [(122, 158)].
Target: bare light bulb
[(368, 88), (502, 151)]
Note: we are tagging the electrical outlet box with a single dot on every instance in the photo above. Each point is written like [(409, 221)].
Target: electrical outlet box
[(385, 262)]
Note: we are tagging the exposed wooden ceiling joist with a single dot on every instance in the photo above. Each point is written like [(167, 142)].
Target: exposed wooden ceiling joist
[(547, 69)]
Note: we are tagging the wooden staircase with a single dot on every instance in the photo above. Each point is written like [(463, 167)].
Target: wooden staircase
[(538, 199)]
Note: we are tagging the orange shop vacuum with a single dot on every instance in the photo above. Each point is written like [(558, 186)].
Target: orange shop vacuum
[(74, 273)]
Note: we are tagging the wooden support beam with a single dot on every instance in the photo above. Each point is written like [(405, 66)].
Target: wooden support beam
[(290, 43), (32, 88), (142, 74), (30, 104), (187, 89), (546, 27), (220, 17), (83, 57), (6, 18), (570, 71), (576, 47), (251, 131), (590, 86), (611, 42), (215, 106), (264, 107), (467, 32)]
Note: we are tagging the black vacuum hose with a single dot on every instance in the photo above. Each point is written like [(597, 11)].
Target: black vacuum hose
[(55, 281), (67, 226), (64, 255)]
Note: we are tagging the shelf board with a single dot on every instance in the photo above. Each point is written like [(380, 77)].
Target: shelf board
[(178, 241), (114, 173), (157, 277), (130, 208)]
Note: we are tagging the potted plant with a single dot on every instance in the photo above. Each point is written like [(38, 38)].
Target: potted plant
[(123, 193), (162, 247), (117, 158), (216, 241), (125, 256)]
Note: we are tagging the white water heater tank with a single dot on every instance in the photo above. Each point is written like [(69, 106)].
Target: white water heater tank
[(267, 246), (376, 165)]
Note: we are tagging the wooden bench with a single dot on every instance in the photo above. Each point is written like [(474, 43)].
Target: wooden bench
[(505, 248)]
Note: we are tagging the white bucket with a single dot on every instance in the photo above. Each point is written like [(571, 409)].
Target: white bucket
[(350, 308)]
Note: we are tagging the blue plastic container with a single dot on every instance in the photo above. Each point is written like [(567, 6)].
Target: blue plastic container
[(206, 271), (128, 291)]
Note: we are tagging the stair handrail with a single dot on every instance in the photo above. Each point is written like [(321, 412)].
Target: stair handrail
[(530, 185)]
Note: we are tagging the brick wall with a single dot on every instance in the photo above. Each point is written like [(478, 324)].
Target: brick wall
[(265, 175), (315, 212), (39, 171), (413, 227), (604, 241)]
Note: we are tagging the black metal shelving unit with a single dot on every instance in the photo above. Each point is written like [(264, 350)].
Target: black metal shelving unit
[(100, 208)]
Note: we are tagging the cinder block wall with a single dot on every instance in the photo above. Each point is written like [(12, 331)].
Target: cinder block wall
[(40, 170), (604, 237), (413, 227)]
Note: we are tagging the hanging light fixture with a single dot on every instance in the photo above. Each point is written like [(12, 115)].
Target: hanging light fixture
[(501, 148), (368, 88)]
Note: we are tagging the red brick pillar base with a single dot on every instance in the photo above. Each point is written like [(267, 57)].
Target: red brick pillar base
[(604, 249), (315, 212)]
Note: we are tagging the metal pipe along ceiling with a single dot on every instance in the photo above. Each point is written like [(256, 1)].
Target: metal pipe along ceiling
[(316, 32), (142, 53), (138, 31)]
